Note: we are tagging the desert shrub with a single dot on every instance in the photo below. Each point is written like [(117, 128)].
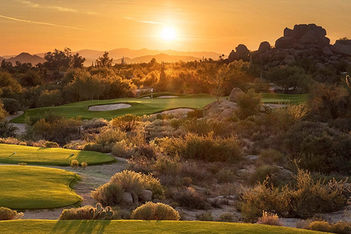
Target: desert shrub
[(125, 123), (8, 214), (122, 149), (270, 156), (249, 104), (225, 176), (190, 198), (3, 112), (205, 216), (269, 219), (167, 166), (303, 199), (277, 176), (195, 114), (88, 213), (207, 148), (127, 181), (50, 144), (84, 165), (318, 147), (74, 163), (110, 137), (59, 129), (155, 211), (94, 123), (50, 98), (226, 217), (7, 130), (342, 124), (204, 127), (321, 226), (11, 105), (97, 148)]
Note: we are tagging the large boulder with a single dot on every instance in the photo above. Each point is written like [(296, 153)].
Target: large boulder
[(303, 36), (234, 94), (342, 47), (127, 198), (146, 195), (264, 47), (241, 53)]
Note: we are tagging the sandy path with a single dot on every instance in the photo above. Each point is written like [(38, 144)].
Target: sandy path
[(91, 178), (109, 107), (21, 128)]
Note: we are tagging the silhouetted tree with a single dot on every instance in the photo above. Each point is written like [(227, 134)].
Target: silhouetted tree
[(104, 60)]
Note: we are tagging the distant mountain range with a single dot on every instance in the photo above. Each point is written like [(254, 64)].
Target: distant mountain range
[(129, 55), (24, 58)]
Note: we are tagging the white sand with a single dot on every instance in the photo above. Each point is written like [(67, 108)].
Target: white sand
[(166, 97), (109, 107)]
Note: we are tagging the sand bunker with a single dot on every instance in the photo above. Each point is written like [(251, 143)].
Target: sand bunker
[(179, 111), (109, 107), (165, 97)]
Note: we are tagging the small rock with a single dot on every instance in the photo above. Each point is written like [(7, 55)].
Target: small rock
[(146, 195), (127, 198)]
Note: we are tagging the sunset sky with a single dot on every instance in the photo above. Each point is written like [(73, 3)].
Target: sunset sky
[(198, 25)]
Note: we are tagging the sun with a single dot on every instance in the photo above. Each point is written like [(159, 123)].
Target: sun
[(168, 34)]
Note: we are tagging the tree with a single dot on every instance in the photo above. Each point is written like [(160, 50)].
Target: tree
[(104, 60), (63, 60)]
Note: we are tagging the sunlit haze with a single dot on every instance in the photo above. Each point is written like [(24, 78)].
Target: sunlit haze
[(201, 25)]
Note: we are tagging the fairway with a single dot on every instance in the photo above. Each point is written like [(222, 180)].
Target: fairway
[(142, 106), (130, 226), (13, 154), (139, 106), (28, 187)]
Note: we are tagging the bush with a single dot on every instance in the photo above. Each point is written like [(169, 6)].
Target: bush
[(303, 199), (57, 129), (323, 226), (8, 214), (7, 130), (226, 217), (125, 123), (249, 104), (190, 198), (88, 213), (12, 106), (269, 219), (155, 211), (109, 137), (205, 216), (127, 181), (50, 98), (318, 147), (122, 149), (270, 156), (74, 163), (207, 148)]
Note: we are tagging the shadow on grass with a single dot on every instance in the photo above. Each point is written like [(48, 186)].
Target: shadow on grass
[(80, 226)]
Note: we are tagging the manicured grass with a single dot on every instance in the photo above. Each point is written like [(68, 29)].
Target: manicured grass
[(46, 226), (140, 106), (12, 154), (29, 187), (276, 98)]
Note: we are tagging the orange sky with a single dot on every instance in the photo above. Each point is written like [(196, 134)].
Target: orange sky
[(202, 25)]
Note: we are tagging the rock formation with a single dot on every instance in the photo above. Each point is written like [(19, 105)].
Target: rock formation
[(241, 53), (303, 36)]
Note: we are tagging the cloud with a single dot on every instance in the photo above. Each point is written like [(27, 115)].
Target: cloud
[(53, 7), (143, 21), (38, 22)]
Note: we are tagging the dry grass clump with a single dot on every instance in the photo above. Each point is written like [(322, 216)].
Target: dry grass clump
[(303, 199), (88, 213), (127, 181), (155, 211), (269, 219), (207, 148), (8, 214)]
